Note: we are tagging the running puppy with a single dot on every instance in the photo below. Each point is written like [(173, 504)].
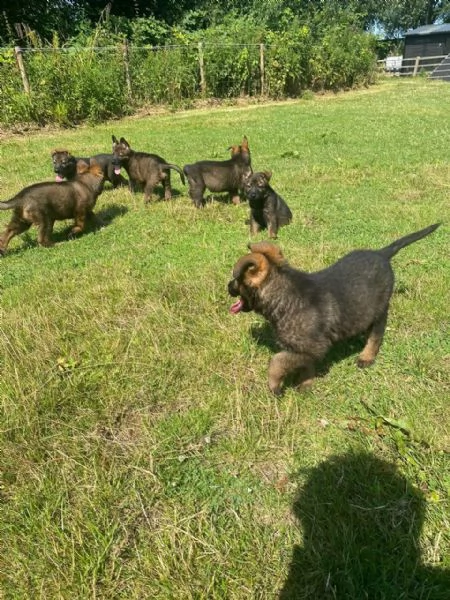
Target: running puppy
[(145, 169), (42, 204), (309, 312), (268, 210), (219, 176)]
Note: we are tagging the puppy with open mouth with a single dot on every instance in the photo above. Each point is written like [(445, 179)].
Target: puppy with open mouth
[(309, 312)]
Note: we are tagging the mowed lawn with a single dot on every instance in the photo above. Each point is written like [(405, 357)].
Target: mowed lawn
[(141, 453)]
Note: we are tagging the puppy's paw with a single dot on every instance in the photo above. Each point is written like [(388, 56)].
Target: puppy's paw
[(305, 386), (277, 390), (363, 362)]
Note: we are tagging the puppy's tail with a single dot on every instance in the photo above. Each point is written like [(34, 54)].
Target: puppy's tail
[(177, 169), (9, 204), (392, 249)]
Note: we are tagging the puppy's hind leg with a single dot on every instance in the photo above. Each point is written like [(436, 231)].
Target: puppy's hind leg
[(196, 191), (370, 350), (167, 186), (45, 228), (15, 227), (284, 363)]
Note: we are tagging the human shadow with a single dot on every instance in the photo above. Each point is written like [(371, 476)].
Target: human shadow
[(361, 522), (263, 335)]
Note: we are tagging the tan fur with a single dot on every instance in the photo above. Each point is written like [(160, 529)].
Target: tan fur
[(270, 251)]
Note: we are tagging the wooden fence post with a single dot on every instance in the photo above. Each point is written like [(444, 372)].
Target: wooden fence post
[(416, 66), (202, 69), (261, 68), (126, 64), (23, 73)]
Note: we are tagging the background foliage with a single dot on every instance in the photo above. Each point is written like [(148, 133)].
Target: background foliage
[(47, 16), (85, 79)]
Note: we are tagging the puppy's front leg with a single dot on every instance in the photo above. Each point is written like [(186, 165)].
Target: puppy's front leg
[(284, 363), (254, 226), (273, 227), (234, 197)]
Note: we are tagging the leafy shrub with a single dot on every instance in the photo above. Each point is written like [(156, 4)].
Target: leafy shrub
[(163, 74), (86, 81)]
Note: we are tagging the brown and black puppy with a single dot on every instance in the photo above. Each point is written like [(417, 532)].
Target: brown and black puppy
[(42, 204), (219, 176), (268, 210), (65, 166), (309, 312), (144, 169)]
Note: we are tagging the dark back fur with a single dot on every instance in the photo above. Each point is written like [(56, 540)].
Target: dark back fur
[(219, 176), (311, 311), (43, 203), (144, 168)]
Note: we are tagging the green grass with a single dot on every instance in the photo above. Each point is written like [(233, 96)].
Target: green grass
[(142, 455)]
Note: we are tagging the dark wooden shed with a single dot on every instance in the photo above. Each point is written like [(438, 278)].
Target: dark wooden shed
[(429, 42)]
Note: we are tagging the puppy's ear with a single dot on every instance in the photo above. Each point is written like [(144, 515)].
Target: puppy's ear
[(244, 144), (94, 168), (272, 253), (82, 167), (114, 139), (252, 269), (268, 175), (59, 151), (124, 141)]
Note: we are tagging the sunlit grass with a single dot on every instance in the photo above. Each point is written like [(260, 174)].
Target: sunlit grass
[(142, 453)]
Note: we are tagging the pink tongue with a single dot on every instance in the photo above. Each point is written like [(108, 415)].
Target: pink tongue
[(117, 170), (58, 178), (236, 307)]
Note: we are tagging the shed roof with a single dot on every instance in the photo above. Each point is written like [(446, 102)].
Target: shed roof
[(430, 29)]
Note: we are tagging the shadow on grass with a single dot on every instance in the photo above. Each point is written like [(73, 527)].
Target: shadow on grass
[(263, 335), (361, 522), (222, 198), (158, 192), (103, 218)]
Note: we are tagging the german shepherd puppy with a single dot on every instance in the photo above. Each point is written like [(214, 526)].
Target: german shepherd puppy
[(268, 210), (65, 166), (42, 204), (146, 169), (309, 312), (219, 176)]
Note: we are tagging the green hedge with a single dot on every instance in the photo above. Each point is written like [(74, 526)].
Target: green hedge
[(87, 80)]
